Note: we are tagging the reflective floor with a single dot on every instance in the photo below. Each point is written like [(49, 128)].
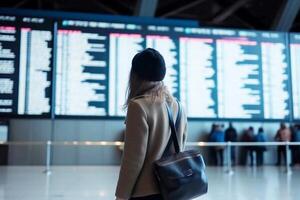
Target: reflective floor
[(92, 183)]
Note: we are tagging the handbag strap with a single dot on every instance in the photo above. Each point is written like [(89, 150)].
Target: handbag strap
[(178, 119), (174, 129)]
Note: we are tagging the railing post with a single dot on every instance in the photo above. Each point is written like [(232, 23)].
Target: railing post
[(229, 170), (287, 164), (48, 158)]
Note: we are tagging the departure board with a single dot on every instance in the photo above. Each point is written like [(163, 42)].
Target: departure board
[(93, 63), (168, 46), (35, 72), (198, 77), (8, 65), (124, 46), (25, 65), (275, 73), (81, 65), (234, 74), (295, 71), (216, 73)]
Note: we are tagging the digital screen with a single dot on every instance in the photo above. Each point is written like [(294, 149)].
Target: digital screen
[(25, 65), (35, 76), (81, 73), (198, 77), (124, 46), (215, 73), (94, 60), (8, 65), (295, 71), (234, 74)]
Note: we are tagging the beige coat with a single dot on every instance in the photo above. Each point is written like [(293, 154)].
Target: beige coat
[(146, 136)]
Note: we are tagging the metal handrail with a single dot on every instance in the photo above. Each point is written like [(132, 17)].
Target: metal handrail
[(120, 143), (229, 170), (243, 143), (67, 143)]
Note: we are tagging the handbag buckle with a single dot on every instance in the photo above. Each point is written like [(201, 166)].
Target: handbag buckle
[(188, 172)]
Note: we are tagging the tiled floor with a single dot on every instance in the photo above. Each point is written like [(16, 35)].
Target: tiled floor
[(98, 182)]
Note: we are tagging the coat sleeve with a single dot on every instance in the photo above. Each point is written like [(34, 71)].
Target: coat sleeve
[(136, 139)]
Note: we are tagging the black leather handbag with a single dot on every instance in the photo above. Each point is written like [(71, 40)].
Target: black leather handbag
[(180, 176)]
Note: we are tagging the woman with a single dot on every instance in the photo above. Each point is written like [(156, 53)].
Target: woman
[(147, 127)]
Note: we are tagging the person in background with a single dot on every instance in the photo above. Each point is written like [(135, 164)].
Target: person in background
[(231, 135), (218, 135), (295, 149), (260, 137), (213, 128), (248, 136), (283, 135)]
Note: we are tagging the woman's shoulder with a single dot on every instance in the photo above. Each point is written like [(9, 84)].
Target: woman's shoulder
[(145, 99), (141, 101), (147, 102)]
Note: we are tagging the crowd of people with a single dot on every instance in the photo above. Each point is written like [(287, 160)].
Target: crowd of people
[(254, 154)]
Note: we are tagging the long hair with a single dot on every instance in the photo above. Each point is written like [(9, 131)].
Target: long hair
[(136, 87)]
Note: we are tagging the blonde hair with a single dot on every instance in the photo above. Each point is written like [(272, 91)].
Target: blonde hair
[(155, 89)]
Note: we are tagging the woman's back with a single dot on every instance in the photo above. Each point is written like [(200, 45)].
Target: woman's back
[(146, 137)]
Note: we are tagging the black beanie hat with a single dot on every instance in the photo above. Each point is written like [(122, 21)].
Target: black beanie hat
[(149, 65)]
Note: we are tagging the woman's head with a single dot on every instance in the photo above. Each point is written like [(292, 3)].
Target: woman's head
[(146, 75), (149, 65)]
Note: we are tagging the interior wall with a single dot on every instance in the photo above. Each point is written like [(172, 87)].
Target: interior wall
[(95, 130)]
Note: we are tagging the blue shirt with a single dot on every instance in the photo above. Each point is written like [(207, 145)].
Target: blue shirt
[(260, 137), (217, 136)]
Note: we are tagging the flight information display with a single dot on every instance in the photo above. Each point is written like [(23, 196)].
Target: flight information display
[(93, 64), (124, 46), (216, 73), (275, 73), (25, 65), (295, 71), (81, 67), (8, 64), (198, 77), (168, 46), (35, 73), (234, 74)]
